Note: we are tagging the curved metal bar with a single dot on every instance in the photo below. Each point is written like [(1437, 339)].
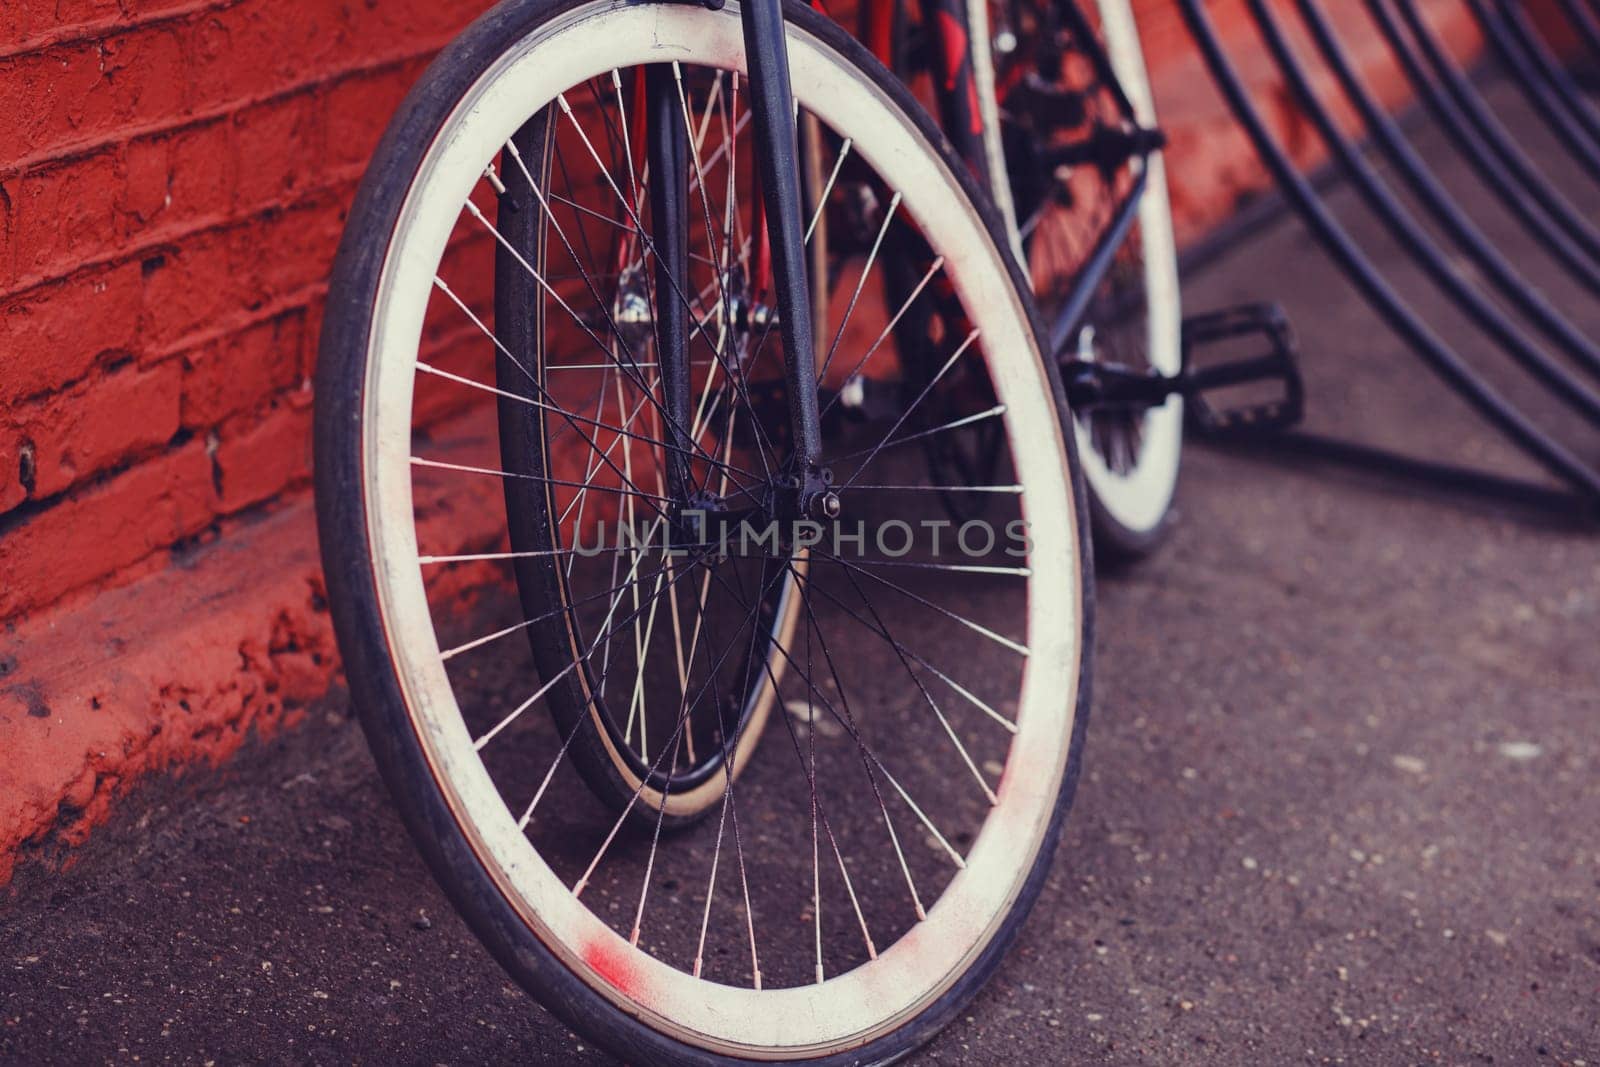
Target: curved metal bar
[(1583, 20), (1494, 134), (1360, 270), (1550, 65), (1536, 88), (1426, 474), (1431, 193), (1411, 236), (1582, 264)]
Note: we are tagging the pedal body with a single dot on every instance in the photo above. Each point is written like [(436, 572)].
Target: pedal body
[(1276, 359)]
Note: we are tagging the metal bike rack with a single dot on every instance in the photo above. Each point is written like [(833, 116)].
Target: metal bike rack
[(1556, 353), (1480, 136), (1581, 18), (1546, 85)]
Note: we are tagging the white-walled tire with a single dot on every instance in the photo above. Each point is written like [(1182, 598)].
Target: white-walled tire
[(1022, 720)]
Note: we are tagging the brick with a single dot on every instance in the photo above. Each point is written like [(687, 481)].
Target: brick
[(32, 17), (62, 216), (203, 169), (393, 29), (94, 206), (54, 334), (358, 108), (21, 19), (73, 93), (232, 375), (90, 428), (188, 288), (46, 96), (146, 169), (258, 47), (293, 248), (105, 529), (146, 68), (178, 179), (278, 147), (258, 457)]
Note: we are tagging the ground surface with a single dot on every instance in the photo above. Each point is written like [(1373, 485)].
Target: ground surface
[(1341, 804)]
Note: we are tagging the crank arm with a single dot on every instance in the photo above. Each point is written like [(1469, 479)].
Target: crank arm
[(1092, 385)]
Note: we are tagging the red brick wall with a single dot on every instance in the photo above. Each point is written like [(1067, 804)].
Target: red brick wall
[(172, 186), (173, 178)]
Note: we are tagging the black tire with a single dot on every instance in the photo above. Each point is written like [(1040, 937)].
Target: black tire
[(343, 527)]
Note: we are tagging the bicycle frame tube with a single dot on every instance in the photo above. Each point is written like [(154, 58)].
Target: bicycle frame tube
[(773, 111), (1076, 304)]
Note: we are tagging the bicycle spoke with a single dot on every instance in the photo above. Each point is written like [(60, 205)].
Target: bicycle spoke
[(921, 396), (901, 649), (861, 283), (888, 330), (479, 642), (610, 320), (868, 753), (844, 702), (977, 628), (570, 418), (617, 825), (605, 691), (525, 705)]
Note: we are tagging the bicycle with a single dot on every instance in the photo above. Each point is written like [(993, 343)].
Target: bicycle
[(612, 262)]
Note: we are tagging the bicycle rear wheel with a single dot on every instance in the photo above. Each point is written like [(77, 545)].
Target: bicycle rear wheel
[(1034, 93), (1046, 95), (570, 726)]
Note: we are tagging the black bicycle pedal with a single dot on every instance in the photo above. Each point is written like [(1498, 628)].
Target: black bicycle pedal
[(1231, 329)]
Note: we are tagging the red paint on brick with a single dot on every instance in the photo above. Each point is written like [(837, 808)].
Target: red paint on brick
[(93, 534), (278, 146), (49, 203), (180, 665), (99, 695), (226, 377), (260, 457), (83, 431), (53, 335)]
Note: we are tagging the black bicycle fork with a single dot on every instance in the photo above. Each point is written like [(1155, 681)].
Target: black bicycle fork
[(803, 488)]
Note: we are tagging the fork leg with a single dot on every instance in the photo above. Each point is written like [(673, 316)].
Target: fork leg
[(668, 153), (772, 107)]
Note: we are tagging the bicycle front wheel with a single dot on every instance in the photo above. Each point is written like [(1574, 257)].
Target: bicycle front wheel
[(569, 722)]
